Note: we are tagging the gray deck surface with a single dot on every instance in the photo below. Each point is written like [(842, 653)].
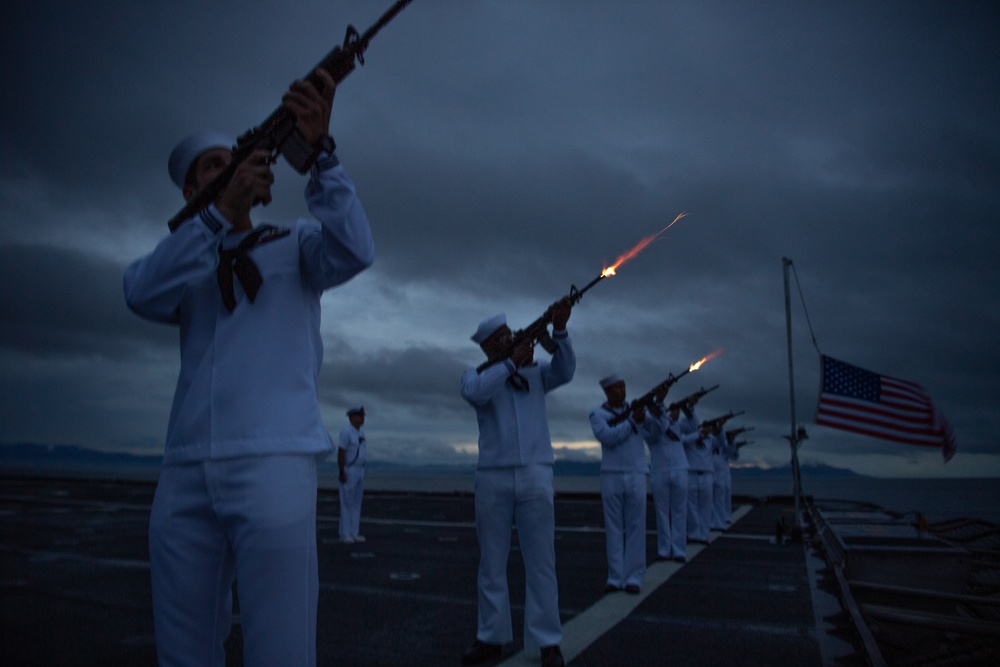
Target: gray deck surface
[(74, 585)]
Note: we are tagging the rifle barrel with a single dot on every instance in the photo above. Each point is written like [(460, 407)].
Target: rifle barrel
[(575, 295), (698, 394), (669, 382), (389, 15), (723, 418), (339, 62)]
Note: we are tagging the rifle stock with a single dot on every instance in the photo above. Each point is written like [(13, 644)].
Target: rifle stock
[(276, 129)]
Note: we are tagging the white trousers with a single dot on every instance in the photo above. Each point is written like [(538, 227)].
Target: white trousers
[(700, 507), (351, 493), (250, 520), (623, 495), (670, 501), (523, 495)]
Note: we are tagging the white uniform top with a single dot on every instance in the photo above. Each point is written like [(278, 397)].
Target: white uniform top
[(621, 445), (352, 441), (722, 452), (666, 441), (248, 378), (698, 449), (513, 425), (734, 451)]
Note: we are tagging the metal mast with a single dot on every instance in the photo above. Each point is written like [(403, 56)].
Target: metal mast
[(795, 434)]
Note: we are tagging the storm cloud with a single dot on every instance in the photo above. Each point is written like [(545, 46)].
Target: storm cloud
[(505, 151)]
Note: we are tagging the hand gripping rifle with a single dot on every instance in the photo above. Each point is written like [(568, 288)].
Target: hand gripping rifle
[(538, 331), (277, 133), (681, 404), (647, 399), (743, 443)]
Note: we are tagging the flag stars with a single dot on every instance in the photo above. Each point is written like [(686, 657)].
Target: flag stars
[(846, 380)]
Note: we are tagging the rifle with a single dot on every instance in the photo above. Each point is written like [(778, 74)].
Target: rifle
[(647, 399), (273, 134), (538, 331), (732, 433), (677, 405), (717, 422), (743, 443)]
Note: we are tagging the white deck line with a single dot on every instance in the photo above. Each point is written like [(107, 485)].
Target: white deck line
[(586, 627)]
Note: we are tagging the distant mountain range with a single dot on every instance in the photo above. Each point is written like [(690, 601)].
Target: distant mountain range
[(32, 455), (582, 468), (36, 455)]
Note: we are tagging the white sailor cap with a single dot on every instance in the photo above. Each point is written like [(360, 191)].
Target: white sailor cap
[(355, 409), (188, 150), (614, 378), (488, 326)]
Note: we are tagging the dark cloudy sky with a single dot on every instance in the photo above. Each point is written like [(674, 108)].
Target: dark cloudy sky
[(506, 150)]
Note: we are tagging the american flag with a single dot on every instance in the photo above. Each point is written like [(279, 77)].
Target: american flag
[(856, 400)]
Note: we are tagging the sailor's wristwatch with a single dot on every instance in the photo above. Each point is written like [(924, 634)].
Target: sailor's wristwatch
[(301, 154)]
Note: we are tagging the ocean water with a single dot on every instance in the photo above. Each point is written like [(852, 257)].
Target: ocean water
[(937, 499)]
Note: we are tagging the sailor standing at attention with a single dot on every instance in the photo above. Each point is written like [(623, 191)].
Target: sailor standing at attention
[(236, 498), (514, 484), (623, 485), (351, 456), (668, 479)]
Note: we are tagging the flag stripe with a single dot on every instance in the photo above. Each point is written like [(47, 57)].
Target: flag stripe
[(922, 418), (917, 432), (859, 401), (878, 429), (841, 421), (854, 428)]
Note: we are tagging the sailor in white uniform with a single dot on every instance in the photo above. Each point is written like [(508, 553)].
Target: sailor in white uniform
[(623, 484), (668, 479), (352, 452), (723, 452), (700, 469), (514, 485), (236, 498)]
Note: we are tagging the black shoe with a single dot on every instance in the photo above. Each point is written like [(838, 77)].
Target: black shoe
[(680, 559), (663, 558), (610, 588), (552, 657), (481, 652), (632, 589)]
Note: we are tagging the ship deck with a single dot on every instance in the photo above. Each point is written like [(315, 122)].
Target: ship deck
[(75, 585)]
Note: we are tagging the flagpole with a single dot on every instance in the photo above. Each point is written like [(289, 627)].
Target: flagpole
[(793, 437)]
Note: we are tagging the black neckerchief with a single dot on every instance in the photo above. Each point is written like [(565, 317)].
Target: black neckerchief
[(518, 381), (237, 260)]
